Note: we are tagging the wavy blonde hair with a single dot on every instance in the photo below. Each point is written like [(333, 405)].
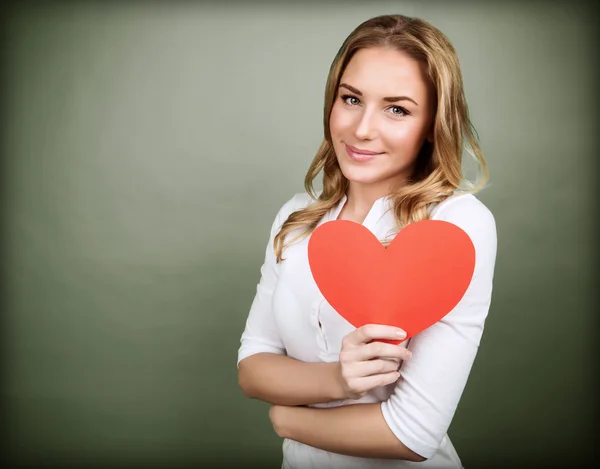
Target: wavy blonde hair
[(438, 172)]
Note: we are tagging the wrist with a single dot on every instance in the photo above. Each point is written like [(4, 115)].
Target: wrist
[(279, 416), (338, 389)]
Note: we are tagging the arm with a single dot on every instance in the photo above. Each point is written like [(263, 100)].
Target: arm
[(264, 372), (363, 365), (355, 430), (286, 381), (422, 407), (412, 422)]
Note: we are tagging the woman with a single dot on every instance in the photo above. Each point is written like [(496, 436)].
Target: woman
[(396, 123)]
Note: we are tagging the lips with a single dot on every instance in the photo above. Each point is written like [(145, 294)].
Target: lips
[(360, 155)]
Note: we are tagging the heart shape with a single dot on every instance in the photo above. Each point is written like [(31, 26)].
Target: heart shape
[(412, 283)]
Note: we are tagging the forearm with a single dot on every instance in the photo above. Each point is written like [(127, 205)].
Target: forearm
[(354, 430), (282, 380)]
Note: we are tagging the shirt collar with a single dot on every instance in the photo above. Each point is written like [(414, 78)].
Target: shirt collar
[(380, 207)]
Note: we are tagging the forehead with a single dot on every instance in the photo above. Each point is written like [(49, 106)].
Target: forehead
[(386, 72)]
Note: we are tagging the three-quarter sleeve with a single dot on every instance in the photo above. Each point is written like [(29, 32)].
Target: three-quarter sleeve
[(421, 408), (260, 333)]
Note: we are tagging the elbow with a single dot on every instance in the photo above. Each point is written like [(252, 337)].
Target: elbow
[(408, 454), (244, 382), (414, 457), (243, 386), (400, 451), (404, 452)]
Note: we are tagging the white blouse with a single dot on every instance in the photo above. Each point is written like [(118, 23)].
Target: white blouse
[(289, 315)]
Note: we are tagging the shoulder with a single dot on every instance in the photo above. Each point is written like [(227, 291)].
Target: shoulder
[(465, 208), (298, 201), (470, 214)]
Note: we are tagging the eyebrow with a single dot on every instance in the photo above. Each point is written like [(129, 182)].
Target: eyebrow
[(389, 99)]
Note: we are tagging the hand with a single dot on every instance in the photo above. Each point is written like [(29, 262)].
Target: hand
[(275, 414), (364, 364)]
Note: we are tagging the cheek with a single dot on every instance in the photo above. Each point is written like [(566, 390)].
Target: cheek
[(402, 138), (338, 120)]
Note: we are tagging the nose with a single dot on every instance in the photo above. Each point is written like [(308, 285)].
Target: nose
[(366, 126)]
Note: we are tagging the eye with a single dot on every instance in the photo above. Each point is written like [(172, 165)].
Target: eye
[(350, 100), (398, 111)]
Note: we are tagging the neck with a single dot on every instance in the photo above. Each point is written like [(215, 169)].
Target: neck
[(360, 198)]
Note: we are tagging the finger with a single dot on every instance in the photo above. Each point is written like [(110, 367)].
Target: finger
[(369, 332), (381, 350), (371, 382), (374, 367)]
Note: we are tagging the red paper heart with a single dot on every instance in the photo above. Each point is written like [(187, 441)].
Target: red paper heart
[(413, 283)]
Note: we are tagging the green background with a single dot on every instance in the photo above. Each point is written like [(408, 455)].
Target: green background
[(146, 150)]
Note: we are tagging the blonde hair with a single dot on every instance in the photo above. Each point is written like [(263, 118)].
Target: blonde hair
[(438, 171)]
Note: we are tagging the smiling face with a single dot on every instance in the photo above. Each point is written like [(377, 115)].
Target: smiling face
[(382, 114)]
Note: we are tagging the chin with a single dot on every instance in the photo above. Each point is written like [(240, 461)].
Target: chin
[(364, 175)]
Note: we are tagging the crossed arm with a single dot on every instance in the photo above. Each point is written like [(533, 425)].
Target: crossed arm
[(354, 430), (290, 385)]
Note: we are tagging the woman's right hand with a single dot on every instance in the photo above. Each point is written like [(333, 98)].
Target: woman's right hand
[(366, 363)]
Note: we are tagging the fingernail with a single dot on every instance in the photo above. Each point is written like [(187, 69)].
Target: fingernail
[(401, 334), (408, 354)]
